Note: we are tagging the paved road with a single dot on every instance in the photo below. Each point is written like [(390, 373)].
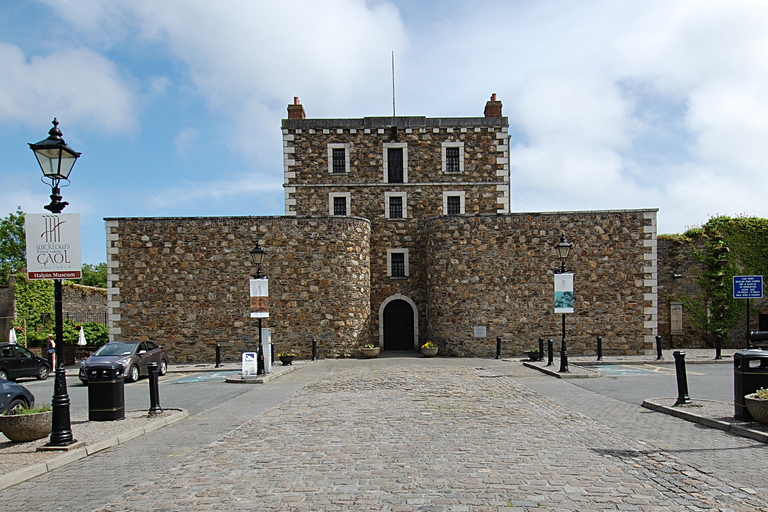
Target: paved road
[(635, 383), (177, 390), (407, 434)]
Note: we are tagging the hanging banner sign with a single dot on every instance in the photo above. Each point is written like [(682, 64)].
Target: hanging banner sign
[(53, 246), (563, 293), (259, 298)]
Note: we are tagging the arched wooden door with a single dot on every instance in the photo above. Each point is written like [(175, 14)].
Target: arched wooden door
[(398, 326)]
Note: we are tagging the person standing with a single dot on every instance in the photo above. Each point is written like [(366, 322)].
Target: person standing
[(51, 350)]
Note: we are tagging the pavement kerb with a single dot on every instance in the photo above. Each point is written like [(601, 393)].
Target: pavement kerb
[(38, 469), (654, 405)]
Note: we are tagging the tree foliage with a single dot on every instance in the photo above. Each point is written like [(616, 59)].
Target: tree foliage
[(13, 253), (93, 275)]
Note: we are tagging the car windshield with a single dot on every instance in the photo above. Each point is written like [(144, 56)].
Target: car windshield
[(116, 349)]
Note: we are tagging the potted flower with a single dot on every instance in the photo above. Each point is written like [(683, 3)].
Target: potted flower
[(757, 405), (534, 354), (370, 350), (26, 424), (429, 349), (286, 358)]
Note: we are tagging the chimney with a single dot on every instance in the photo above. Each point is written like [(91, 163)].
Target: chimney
[(296, 111), (493, 107)]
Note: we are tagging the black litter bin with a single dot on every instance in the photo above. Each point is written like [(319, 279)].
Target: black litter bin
[(750, 373), (106, 392)]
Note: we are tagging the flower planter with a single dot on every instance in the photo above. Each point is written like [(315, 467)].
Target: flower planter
[(286, 360), (534, 355), (429, 352), (757, 407), (26, 427), (370, 352)]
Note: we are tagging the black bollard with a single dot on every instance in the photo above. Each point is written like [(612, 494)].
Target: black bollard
[(682, 379), (541, 349), (260, 361), (314, 349), (599, 348), (498, 347), (550, 352), (154, 389), (658, 348), (218, 355), (563, 355), (718, 347)]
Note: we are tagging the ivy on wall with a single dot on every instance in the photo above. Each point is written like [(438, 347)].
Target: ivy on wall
[(731, 246), (34, 308)]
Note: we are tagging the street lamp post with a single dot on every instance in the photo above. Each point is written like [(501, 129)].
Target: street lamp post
[(56, 160), (563, 248), (257, 258)]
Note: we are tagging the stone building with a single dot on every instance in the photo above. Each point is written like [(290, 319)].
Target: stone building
[(397, 230)]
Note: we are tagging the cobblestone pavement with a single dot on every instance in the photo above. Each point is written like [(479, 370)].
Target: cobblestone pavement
[(443, 434)]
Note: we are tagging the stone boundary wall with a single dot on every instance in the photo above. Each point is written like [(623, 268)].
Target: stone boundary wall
[(80, 300), (183, 282), (497, 272)]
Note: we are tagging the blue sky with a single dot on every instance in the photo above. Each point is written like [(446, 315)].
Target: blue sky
[(176, 105)]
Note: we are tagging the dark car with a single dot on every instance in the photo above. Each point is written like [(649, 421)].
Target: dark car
[(132, 355), (16, 361), (13, 395)]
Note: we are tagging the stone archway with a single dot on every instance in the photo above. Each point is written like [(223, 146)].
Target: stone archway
[(398, 324)]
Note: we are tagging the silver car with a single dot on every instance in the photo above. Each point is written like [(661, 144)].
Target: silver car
[(132, 355)]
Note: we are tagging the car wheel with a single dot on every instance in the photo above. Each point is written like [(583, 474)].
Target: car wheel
[(43, 373), (133, 374), (3, 375), (163, 367), (18, 402)]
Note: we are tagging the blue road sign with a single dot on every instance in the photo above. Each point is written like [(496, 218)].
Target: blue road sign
[(747, 287)]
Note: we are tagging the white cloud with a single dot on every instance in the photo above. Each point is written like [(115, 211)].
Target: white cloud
[(76, 85), (186, 138), (222, 189)]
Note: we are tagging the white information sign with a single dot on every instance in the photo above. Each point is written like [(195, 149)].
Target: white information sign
[(563, 293), (250, 364), (53, 246)]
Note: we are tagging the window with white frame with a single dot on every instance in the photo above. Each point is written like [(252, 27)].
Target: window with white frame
[(453, 202), (338, 158), (453, 157), (339, 204), (397, 263), (395, 162), (395, 205)]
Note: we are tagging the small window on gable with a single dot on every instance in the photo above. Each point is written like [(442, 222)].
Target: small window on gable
[(395, 205), (453, 203), (339, 203), (397, 263), (453, 157), (395, 162), (338, 158)]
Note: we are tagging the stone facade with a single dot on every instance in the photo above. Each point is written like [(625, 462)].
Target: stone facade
[(497, 273), (348, 268), (184, 283)]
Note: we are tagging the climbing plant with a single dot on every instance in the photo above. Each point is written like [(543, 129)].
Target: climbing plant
[(34, 308), (731, 246)]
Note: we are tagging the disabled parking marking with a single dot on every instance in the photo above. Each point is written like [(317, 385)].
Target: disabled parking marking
[(188, 378), (618, 370)]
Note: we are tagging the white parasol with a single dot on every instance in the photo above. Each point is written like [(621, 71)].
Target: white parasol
[(12, 336), (81, 338)]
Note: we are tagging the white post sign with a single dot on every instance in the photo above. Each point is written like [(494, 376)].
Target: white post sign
[(53, 246), (266, 335), (563, 293), (259, 298), (250, 364)]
